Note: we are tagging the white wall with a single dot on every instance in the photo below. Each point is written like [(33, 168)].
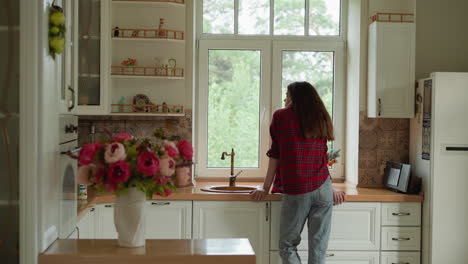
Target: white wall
[(441, 36)]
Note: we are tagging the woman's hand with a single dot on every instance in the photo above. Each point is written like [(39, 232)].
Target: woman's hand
[(259, 194), (338, 197)]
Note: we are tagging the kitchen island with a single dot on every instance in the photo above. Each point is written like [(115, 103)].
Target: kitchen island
[(167, 251)]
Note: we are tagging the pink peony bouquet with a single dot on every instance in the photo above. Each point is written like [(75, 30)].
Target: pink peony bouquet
[(119, 162)]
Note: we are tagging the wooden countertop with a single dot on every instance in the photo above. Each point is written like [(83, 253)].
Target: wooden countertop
[(195, 193), (168, 251)]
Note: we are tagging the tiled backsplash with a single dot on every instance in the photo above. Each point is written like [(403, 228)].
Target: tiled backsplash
[(380, 140), (135, 125)]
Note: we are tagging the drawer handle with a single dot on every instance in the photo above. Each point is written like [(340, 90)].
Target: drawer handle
[(330, 255), (401, 214), (160, 203), (108, 205), (401, 263), (401, 239)]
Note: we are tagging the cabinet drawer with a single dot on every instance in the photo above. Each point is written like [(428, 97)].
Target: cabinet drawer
[(401, 238), (401, 214), (400, 258), (336, 257)]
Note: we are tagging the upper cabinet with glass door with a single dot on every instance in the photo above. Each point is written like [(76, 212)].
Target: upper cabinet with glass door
[(92, 87), (68, 60)]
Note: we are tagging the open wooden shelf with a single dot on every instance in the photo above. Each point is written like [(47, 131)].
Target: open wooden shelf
[(147, 109), (158, 3), (147, 72), (148, 34), (393, 17)]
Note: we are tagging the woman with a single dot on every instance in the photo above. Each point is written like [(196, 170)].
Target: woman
[(298, 158)]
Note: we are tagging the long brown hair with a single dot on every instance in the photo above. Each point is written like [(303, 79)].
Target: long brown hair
[(314, 120)]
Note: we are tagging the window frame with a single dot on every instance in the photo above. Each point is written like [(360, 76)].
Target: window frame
[(264, 106), (338, 83), (271, 93)]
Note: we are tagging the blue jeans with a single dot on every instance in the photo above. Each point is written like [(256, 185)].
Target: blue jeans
[(315, 207)]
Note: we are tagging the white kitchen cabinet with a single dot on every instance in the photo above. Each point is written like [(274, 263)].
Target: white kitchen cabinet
[(232, 219), (87, 225), (169, 220), (105, 228), (400, 257), (391, 70), (336, 257), (355, 226)]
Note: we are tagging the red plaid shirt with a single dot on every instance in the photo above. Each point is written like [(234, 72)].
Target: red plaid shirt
[(302, 162)]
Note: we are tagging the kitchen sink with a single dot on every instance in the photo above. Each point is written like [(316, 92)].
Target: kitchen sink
[(229, 189)]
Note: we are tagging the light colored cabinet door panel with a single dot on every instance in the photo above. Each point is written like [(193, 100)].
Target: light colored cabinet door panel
[(87, 225), (105, 228), (168, 219), (391, 75), (400, 258), (233, 220), (401, 214), (336, 257), (355, 226), (401, 238)]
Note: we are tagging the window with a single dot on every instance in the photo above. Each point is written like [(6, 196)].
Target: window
[(248, 52)]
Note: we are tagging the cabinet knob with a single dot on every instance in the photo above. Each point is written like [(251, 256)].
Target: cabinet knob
[(401, 214)]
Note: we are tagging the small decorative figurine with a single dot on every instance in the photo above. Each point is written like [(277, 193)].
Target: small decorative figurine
[(162, 28), (116, 32), (135, 33), (129, 62), (165, 108)]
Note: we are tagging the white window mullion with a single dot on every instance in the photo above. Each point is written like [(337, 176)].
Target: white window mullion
[(236, 17), (272, 17), (306, 21)]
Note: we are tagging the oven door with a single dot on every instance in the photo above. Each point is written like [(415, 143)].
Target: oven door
[(68, 201)]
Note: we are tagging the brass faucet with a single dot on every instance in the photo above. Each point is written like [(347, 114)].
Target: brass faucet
[(232, 177)]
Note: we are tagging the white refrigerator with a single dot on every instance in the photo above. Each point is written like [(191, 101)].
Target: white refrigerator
[(439, 155)]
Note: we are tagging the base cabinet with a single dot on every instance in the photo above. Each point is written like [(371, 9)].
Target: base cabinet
[(335, 257), (105, 228), (164, 220), (400, 257), (355, 226), (86, 226), (234, 220), (168, 219)]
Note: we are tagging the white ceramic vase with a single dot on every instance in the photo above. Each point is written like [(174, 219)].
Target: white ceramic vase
[(129, 218)]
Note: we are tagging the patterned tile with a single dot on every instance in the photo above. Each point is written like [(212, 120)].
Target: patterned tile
[(137, 126), (388, 124), (367, 159), (368, 140), (380, 140), (387, 140)]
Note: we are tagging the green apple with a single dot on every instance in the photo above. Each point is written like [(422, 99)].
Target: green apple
[(57, 18)]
